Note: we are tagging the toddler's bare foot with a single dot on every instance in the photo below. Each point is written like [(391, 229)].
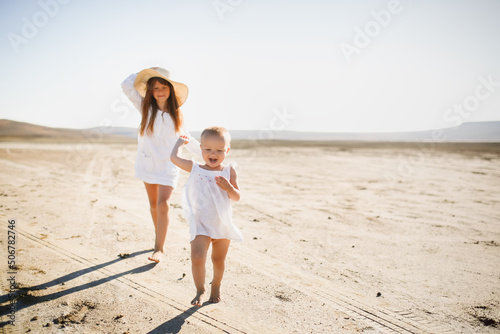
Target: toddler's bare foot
[(215, 294), (198, 299), (156, 256)]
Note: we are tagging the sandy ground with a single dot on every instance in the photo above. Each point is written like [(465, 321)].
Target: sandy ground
[(338, 239)]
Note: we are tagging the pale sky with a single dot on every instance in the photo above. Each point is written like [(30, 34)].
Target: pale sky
[(340, 66)]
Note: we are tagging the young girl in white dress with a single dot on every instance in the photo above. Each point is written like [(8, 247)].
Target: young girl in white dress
[(158, 99), (207, 207)]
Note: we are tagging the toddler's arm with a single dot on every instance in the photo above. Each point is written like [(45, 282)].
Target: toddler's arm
[(231, 186), (182, 163)]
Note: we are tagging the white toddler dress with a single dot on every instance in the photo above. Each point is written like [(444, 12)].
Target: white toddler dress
[(152, 164), (207, 207)]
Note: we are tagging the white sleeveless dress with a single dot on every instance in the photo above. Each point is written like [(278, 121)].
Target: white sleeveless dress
[(152, 163), (207, 207)]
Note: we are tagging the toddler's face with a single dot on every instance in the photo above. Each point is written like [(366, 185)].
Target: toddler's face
[(214, 150)]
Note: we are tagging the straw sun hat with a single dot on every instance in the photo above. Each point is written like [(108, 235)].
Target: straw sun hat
[(141, 82)]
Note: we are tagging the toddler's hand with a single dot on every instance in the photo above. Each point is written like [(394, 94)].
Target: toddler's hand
[(182, 140), (223, 183)]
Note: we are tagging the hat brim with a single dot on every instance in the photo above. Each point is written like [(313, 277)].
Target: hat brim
[(141, 82)]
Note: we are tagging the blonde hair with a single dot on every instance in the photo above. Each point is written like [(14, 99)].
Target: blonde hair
[(217, 131)]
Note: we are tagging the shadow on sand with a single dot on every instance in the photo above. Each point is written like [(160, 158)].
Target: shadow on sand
[(25, 300), (174, 325)]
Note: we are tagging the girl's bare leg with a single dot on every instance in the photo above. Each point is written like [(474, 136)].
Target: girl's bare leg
[(160, 213), (219, 252), (152, 190), (199, 249)]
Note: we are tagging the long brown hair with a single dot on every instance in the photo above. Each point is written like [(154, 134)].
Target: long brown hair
[(150, 102)]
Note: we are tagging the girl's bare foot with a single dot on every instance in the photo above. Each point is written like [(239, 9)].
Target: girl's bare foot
[(198, 299), (215, 294), (156, 257)]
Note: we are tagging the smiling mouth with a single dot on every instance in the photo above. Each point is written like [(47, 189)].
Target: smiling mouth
[(212, 160)]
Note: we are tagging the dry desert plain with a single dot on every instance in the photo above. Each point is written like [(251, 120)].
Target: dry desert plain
[(339, 238)]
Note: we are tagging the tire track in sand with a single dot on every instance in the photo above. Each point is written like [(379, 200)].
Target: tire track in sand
[(314, 286), (397, 321), (175, 300), (308, 283), (400, 321)]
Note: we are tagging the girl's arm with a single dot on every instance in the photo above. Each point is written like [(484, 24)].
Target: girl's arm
[(231, 186), (182, 163), (129, 90), (192, 145)]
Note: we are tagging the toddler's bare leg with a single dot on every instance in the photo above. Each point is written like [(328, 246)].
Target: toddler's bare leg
[(219, 252), (199, 249)]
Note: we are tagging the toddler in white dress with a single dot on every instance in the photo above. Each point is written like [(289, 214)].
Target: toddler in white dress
[(207, 207)]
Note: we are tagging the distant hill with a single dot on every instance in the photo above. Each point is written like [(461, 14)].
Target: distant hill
[(13, 130), (474, 132)]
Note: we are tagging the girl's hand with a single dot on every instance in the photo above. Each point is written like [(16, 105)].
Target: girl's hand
[(183, 140), (223, 183)]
